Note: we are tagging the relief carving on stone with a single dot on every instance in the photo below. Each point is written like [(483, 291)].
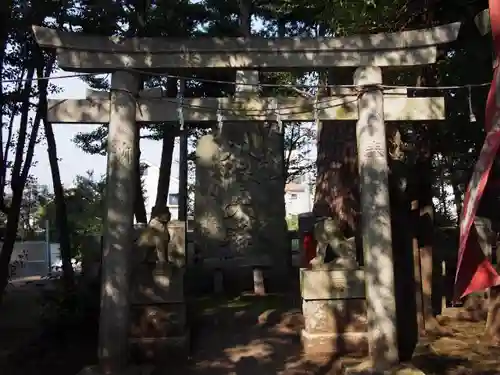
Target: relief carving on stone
[(241, 191)]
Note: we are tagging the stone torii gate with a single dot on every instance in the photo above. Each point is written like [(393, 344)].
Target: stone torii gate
[(126, 59)]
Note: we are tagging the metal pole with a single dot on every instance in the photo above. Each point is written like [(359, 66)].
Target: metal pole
[(47, 243)]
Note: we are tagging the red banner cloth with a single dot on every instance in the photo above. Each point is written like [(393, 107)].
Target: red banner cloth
[(474, 270)]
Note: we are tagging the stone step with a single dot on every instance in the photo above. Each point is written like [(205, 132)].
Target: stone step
[(334, 343)]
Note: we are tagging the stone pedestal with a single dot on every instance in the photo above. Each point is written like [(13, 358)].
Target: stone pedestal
[(334, 309), (159, 328)]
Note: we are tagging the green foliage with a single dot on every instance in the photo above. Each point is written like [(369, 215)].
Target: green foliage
[(292, 222), (85, 209)]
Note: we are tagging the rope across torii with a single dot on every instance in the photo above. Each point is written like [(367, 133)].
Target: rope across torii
[(474, 270)]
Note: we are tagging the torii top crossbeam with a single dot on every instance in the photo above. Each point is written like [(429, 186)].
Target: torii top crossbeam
[(89, 53)]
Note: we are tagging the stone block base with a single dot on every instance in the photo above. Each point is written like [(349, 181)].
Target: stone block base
[(339, 343), (158, 349), (367, 368)]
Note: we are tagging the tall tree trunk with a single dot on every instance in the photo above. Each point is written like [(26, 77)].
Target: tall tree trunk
[(139, 201), (245, 17), (9, 240), (5, 13), (286, 167), (168, 142), (138, 28), (167, 150), (337, 191), (59, 199), (5, 16), (20, 171)]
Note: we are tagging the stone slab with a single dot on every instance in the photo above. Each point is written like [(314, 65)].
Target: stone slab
[(153, 284), (334, 316), (327, 284), (327, 344), (96, 110), (239, 203), (157, 320), (158, 349)]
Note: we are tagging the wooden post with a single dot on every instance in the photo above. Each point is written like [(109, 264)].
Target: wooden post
[(376, 220), (118, 232)]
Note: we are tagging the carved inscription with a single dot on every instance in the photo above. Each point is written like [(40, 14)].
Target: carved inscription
[(122, 153), (374, 150)]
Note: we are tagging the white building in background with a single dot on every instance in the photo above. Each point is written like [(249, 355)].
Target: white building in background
[(298, 196), (299, 193), (150, 179)]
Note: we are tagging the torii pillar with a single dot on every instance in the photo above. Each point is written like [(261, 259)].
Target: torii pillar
[(119, 226)]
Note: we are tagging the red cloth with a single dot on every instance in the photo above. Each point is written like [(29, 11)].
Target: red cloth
[(474, 271), (309, 246)]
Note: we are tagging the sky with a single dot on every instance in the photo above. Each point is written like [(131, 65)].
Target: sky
[(72, 160)]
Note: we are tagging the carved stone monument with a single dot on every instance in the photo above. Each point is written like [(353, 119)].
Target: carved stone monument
[(239, 192), (239, 201)]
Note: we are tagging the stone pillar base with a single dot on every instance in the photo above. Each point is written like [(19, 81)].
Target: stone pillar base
[(328, 343)]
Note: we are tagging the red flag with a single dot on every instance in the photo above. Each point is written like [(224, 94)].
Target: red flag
[(474, 271)]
